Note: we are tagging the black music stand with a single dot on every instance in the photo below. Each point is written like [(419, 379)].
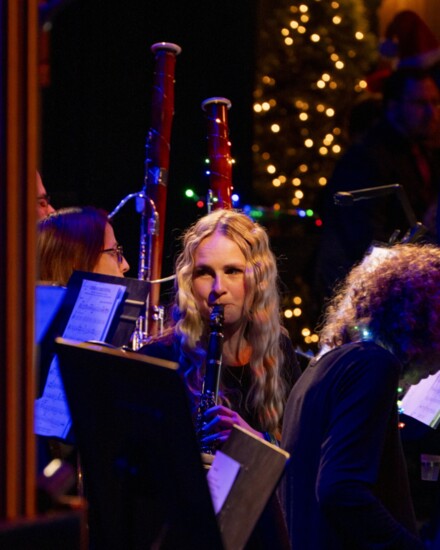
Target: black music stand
[(122, 326), (143, 475)]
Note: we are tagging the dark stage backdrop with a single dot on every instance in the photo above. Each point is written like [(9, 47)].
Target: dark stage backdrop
[(97, 109)]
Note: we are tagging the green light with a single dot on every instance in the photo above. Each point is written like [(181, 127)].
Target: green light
[(256, 214), (309, 213), (189, 193)]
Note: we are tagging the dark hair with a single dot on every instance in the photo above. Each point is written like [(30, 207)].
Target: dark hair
[(70, 239), (391, 297)]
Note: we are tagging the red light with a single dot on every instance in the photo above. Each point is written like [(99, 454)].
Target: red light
[(318, 223), (200, 204)]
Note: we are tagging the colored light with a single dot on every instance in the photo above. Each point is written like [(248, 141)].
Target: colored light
[(189, 193)]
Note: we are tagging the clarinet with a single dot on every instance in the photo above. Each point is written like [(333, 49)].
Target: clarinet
[(211, 380)]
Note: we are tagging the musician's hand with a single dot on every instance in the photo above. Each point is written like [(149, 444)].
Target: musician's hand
[(219, 421)]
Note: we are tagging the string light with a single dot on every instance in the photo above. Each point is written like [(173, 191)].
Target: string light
[(300, 126)]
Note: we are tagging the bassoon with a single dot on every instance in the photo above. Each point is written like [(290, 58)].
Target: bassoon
[(154, 194), (219, 152)]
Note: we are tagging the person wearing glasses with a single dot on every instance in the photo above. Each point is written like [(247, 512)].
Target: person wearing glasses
[(44, 208), (78, 239)]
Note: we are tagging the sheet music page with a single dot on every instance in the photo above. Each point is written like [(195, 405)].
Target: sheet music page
[(422, 401), (94, 310), (52, 415), (221, 477), (90, 319)]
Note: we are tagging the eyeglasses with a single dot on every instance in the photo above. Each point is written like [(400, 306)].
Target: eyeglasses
[(117, 251), (43, 200)]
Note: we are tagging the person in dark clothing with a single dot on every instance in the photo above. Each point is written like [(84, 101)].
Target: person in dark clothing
[(346, 485), (226, 259), (402, 148)]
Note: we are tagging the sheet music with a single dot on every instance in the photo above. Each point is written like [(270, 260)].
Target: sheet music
[(422, 401), (221, 477), (90, 319)]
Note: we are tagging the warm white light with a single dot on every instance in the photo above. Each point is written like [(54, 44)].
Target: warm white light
[(297, 300), (330, 112), (288, 313), (303, 116), (323, 151), (296, 182), (293, 24), (308, 143), (325, 77), (295, 202), (285, 32), (359, 35), (336, 149), (337, 19), (288, 41), (315, 38), (297, 312), (299, 194), (271, 169), (52, 467), (276, 182), (339, 65), (301, 29), (265, 106), (275, 128), (322, 181), (303, 168), (303, 8), (320, 84), (257, 108)]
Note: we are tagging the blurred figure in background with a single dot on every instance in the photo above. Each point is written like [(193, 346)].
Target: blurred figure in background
[(401, 148)]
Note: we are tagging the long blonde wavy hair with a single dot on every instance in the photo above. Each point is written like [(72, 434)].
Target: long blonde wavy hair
[(262, 332), (393, 299)]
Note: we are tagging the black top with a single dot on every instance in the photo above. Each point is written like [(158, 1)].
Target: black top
[(346, 485), (236, 381)]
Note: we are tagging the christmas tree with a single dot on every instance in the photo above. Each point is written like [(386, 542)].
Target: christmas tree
[(313, 58)]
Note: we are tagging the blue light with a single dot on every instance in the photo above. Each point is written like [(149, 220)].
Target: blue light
[(235, 197)]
